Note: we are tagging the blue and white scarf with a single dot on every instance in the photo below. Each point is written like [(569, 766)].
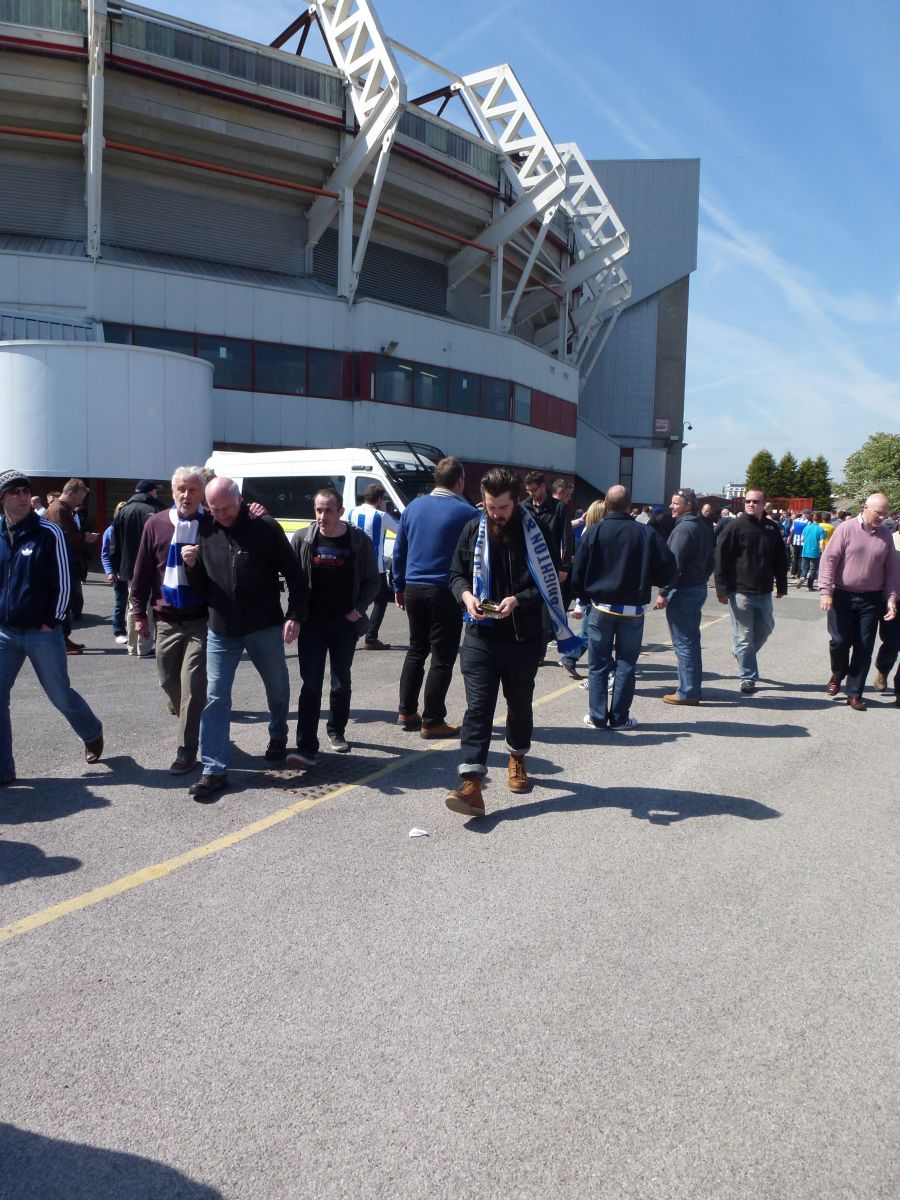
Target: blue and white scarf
[(543, 572), (176, 591)]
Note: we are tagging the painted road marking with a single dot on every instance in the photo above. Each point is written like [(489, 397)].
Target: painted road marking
[(127, 883)]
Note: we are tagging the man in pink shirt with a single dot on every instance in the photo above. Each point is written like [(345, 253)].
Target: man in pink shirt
[(858, 579)]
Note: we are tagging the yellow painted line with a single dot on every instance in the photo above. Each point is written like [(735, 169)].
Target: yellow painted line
[(127, 883)]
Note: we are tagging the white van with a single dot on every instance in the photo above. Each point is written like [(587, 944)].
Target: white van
[(286, 481)]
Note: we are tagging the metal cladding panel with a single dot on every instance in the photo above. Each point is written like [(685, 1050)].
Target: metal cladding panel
[(43, 201), (618, 395), (201, 224), (389, 274), (659, 202), (20, 327)]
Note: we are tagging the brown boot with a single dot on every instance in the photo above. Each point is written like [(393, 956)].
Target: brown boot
[(517, 777), (467, 798)]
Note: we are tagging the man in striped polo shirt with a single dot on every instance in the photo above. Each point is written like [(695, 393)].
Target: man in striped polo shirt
[(373, 519), (619, 560)]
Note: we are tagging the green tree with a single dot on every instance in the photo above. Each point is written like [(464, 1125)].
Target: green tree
[(806, 473), (761, 472), (820, 489), (875, 467), (786, 477)]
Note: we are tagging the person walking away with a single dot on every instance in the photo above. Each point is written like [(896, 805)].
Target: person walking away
[(423, 554), (376, 522), (811, 553), (618, 563), (751, 558), (859, 581), (123, 551), (693, 544), (119, 586), (339, 567), (62, 513), (34, 602)]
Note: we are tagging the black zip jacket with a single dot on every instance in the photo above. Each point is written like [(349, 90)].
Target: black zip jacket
[(619, 560), (127, 529), (694, 546), (554, 518), (238, 571), (750, 557), (34, 574), (509, 577)]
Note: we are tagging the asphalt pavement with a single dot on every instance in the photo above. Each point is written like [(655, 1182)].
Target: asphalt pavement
[(668, 971)]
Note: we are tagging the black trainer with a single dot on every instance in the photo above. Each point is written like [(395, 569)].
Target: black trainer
[(204, 790), (276, 751)]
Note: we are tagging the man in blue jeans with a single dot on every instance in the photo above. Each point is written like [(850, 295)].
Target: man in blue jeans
[(34, 600), (751, 558), (694, 545), (236, 568), (341, 572), (618, 562)]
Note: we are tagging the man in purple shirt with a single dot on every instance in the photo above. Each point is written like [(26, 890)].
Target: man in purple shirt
[(858, 579)]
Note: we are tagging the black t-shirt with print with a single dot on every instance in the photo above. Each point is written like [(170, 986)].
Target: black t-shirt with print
[(332, 576)]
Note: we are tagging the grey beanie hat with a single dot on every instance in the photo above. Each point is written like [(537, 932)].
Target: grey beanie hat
[(10, 479)]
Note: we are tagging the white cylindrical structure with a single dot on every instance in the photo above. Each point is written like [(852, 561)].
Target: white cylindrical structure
[(98, 410)]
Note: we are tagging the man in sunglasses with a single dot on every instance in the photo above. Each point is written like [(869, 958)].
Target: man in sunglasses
[(34, 600), (751, 558)]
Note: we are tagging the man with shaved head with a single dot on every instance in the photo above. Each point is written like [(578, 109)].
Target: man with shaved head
[(618, 561), (859, 580), (236, 566)]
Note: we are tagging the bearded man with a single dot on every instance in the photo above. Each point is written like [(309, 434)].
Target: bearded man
[(504, 575)]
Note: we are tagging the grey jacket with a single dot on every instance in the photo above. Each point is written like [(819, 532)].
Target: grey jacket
[(366, 579), (694, 546)]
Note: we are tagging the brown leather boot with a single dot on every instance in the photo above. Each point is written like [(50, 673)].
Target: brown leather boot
[(517, 777), (467, 798)]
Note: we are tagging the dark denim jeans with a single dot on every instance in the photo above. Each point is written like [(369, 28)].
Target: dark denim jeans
[(435, 628), (489, 662), (852, 628), (47, 654), (889, 649), (379, 608), (614, 643), (809, 570), (321, 637), (120, 602), (684, 607)]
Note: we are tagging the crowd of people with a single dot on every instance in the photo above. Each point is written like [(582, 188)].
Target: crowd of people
[(490, 585)]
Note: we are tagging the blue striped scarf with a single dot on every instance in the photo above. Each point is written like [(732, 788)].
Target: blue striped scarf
[(176, 591)]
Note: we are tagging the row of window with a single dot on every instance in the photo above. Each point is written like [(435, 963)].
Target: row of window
[(254, 366)]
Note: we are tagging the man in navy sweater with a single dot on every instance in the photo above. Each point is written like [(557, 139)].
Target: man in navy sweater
[(617, 562), (420, 565), (34, 600)]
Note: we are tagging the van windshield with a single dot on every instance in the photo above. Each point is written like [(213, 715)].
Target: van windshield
[(408, 465), (290, 496)]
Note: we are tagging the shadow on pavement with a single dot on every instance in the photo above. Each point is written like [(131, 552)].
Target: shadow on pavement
[(659, 806), (42, 1168), (21, 860), (29, 801)]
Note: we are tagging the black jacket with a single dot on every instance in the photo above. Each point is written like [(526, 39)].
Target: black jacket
[(366, 576), (557, 525), (509, 577), (750, 557), (694, 546), (619, 560), (127, 529), (238, 572), (34, 574)]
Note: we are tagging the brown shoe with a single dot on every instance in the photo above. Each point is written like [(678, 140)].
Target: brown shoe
[(74, 647), (376, 644), (93, 749), (183, 763), (674, 698), (833, 687), (517, 776), (410, 722), (467, 798), (441, 730), (857, 703), (880, 682)]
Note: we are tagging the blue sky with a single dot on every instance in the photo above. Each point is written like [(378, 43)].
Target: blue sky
[(794, 110)]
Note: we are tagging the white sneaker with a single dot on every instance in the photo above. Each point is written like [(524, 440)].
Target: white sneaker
[(121, 639), (631, 723), (589, 720), (338, 744)]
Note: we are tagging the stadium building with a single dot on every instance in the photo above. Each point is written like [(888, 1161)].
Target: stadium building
[(208, 242)]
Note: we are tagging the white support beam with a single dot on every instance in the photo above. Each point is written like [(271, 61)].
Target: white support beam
[(586, 368), (519, 291), (376, 90), (369, 219), (93, 134)]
